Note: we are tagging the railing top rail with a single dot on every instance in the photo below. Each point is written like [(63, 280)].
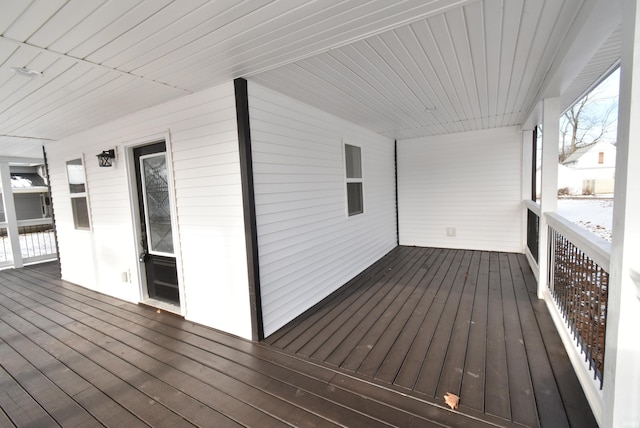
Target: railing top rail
[(532, 206), (596, 248), (35, 222)]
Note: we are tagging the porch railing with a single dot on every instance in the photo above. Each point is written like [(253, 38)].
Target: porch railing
[(533, 228), (37, 241), (578, 283)]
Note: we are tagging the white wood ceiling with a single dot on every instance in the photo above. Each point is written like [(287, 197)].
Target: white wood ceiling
[(402, 68)]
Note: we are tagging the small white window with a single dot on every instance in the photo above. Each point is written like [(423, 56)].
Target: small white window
[(353, 172), (78, 193)]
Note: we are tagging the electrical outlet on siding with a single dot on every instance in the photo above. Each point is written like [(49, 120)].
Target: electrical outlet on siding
[(451, 231), (126, 276)]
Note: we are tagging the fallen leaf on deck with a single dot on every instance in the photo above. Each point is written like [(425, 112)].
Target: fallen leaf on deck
[(452, 400)]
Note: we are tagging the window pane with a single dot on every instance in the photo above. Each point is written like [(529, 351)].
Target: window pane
[(354, 198), (75, 173), (353, 161), (156, 188), (80, 213)]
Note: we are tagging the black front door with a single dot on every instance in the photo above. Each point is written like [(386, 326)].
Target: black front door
[(157, 252)]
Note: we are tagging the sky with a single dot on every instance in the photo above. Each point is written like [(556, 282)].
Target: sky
[(605, 95)]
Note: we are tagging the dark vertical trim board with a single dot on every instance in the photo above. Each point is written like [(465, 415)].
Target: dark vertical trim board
[(53, 213), (248, 200), (534, 164), (395, 170)]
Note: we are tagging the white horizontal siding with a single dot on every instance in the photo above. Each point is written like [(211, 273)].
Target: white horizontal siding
[(204, 145), (308, 247), (469, 181)]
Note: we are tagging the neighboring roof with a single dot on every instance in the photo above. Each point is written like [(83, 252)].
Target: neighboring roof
[(582, 151), (26, 181)]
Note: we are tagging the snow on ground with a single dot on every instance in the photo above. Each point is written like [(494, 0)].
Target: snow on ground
[(593, 214)]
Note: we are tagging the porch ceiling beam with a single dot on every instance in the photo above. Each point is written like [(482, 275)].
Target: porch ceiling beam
[(15, 160)]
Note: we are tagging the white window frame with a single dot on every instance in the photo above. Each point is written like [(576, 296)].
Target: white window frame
[(348, 180), (79, 195)]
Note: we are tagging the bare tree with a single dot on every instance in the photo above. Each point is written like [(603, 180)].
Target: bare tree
[(587, 122)]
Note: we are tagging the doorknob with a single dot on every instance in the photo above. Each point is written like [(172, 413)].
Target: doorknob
[(143, 256)]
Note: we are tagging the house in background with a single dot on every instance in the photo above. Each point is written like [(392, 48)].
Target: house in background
[(261, 155), (32, 239), (595, 166), (30, 193)]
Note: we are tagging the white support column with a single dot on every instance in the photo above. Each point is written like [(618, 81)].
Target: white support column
[(621, 388), (527, 159), (549, 182), (10, 214)]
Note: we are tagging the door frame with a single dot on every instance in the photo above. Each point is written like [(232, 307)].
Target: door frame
[(129, 161)]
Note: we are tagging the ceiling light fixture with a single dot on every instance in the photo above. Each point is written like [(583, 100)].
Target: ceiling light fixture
[(26, 72)]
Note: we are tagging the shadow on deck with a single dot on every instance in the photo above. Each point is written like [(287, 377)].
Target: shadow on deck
[(425, 321)]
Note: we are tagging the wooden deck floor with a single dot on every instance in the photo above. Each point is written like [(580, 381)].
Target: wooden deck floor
[(427, 321), (75, 358)]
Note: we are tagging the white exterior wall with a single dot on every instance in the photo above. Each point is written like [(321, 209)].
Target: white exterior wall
[(468, 181), (308, 246), (211, 252)]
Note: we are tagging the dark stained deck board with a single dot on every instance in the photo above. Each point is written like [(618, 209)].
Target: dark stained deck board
[(60, 406), (497, 392), (96, 402), (388, 336), (450, 378), (354, 348), (315, 319), (434, 365), (158, 377), (458, 321), (573, 398), (292, 390), (523, 407), (300, 392), (409, 372), (390, 367), (550, 410), (349, 313), (473, 377), (149, 399), (18, 406)]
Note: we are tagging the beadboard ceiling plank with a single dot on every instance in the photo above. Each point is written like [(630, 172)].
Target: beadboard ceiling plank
[(553, 26), (511, 24), (443, 45), (458, 31), (70, 86), (11, 10), (425, 75), (123, 23), (155, 24), (97, 21), (68, 16), (362, 60), (32, 18), (191, 27), (405, 69), (523, 66), (433, 55), (323, 69), (398, 79), (349, 26)]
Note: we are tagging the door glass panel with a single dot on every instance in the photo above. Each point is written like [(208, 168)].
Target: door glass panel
[(157, 203)]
